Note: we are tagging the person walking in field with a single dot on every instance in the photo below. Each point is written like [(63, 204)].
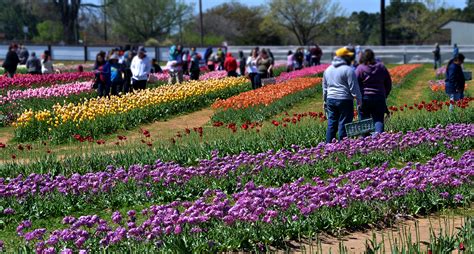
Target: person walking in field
[(455, 81), (264, 67), (195, 68), (141, 68), (116, 74), (11, 60), (23, 55), (33, 65), (242, 62), (175, 65), (289, 61), (340, 87), (230, 65), (47, 64), (437, 56), (252, 70), (102, 75), (455, 50), (316, 54), (375, 86)]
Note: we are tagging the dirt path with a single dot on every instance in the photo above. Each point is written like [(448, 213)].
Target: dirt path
[(6, 134), (169, 128), (356, 242)]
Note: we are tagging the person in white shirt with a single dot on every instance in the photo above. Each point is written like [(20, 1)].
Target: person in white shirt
[(175, 65), (252, 67), (46, 63), (141, 68)]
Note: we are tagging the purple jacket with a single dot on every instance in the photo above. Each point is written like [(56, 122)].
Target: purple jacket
[(374, 79)]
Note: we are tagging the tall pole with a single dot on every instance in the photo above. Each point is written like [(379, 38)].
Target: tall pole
[(105, 20), (382, 23), (202, 27)]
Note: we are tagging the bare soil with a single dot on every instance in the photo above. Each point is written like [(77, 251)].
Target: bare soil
[(355, 242)]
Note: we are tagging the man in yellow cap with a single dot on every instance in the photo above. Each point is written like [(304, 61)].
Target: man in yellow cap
[(340, 87)]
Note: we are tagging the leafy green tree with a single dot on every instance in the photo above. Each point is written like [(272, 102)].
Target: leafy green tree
[(303, 17), (140, 20), (468, 12), (416, 21), (49, 31), (13, 16)]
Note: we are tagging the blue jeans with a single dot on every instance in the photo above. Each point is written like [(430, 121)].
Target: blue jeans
[(258, 79), (103, 89), (339, 113), (374, 107), (454, 97), (437, 64)]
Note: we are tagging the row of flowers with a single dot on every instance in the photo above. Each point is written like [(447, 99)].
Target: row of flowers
[(163, 77), (284, 120), (308, 71), (266, 95), (169, 173), (262, 103), (398, 73), (28, 80), (64, 90), (439, 85), (276, 209), (145, 105), (61, 90)]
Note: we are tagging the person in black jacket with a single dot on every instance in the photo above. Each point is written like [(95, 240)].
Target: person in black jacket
[(437, 56), (455, 81), (242, 62), (11, 60)]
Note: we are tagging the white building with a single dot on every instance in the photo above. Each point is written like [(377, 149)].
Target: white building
[(462, 33)]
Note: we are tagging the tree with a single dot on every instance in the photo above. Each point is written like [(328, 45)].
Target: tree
[(69, 15), (13, 16), (69, 11), (469, 11), (418, 22), (49, 31), (303, 17), (140, 20), (234, 23)]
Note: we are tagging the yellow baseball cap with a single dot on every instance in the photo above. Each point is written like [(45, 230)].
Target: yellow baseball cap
[(344, 52)]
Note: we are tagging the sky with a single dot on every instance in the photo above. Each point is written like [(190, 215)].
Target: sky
[(348, 5)]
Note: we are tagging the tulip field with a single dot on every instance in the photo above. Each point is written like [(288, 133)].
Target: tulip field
[(82, 174)]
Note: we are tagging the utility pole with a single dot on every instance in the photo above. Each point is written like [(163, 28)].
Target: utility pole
[(105, 20), (382, 23), (200, 18)]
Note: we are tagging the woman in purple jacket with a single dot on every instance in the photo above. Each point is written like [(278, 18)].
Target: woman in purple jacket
[(375, 85)]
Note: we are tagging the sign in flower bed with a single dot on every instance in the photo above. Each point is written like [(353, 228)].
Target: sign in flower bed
[(259, 104), (105, 115), (28, 80), (47, 92), (398, 73), (294, 209)]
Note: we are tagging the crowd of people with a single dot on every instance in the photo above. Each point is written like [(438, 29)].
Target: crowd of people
[(19, 55), (354, 73)]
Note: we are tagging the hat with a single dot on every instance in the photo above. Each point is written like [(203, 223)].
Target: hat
[(114, 57), (141, 49), (344, 52)]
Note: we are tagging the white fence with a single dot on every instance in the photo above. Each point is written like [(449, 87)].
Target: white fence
[(389, 54)]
